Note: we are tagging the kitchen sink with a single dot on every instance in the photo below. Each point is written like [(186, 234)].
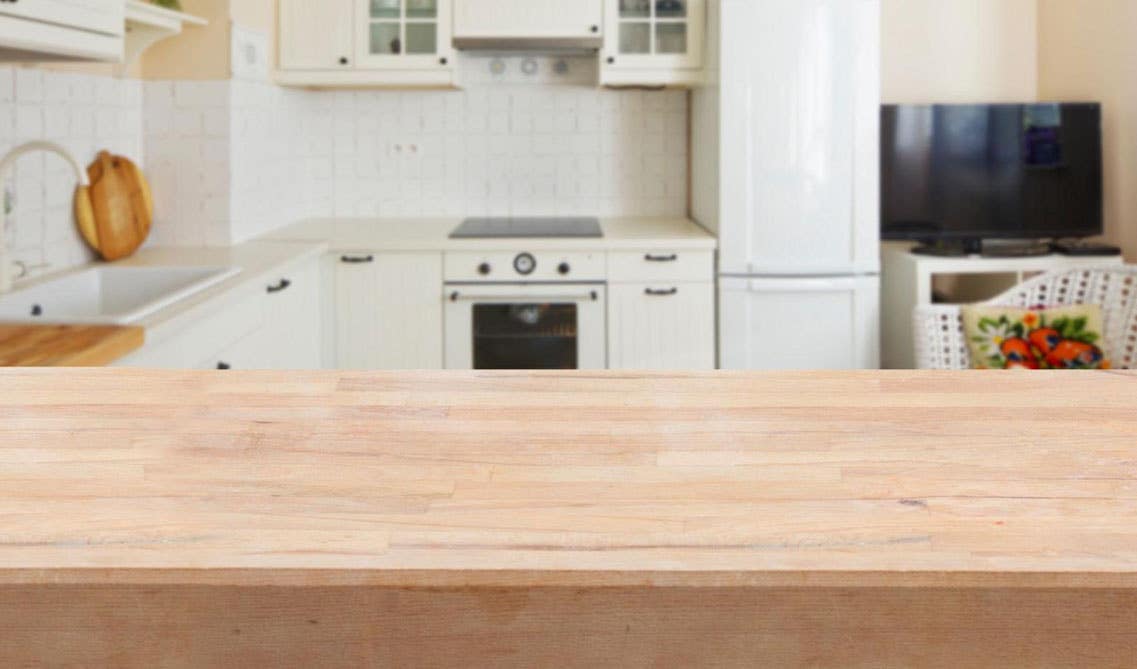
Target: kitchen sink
[(110, 295)]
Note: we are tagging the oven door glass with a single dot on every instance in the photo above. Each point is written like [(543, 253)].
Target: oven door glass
[(525, 336)]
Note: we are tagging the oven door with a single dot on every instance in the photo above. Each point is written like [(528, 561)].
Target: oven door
[(525, 326)]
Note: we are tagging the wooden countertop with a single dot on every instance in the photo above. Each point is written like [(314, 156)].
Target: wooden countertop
[(67, 345), (588, 479)]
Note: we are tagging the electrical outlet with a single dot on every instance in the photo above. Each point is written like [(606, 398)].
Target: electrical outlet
[(249, 54)]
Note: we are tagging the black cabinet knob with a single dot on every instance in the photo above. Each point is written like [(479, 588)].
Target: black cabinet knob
[(443, 61), (595, 29), (224, 366), (564, 268), (484, 269), (611, 60), (344, 61)]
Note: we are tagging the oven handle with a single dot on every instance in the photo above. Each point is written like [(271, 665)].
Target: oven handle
[(458, 296)]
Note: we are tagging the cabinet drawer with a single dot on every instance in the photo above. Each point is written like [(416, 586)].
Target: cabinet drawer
[(661, 326), (625, 266), (205, 337)]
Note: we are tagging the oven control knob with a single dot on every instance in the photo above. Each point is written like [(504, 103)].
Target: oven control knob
[(564, 268), (484, 268), (525, 263)]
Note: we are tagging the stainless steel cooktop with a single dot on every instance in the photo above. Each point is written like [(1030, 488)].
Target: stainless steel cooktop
[(527, 228)]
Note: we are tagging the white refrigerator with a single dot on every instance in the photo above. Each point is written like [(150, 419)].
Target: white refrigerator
[(785, 167)]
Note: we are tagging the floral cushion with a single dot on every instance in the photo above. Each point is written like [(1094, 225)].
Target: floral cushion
[(1012, 338)]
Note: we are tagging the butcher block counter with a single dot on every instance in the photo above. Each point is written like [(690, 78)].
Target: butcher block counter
[(567, 519), (67, 345)]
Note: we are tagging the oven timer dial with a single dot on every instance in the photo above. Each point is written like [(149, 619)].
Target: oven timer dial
[(525, 263)]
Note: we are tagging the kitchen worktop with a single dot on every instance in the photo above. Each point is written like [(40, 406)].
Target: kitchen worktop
[(517, 478), (74, 345), (433, 234), (67, 345), (517, 519)]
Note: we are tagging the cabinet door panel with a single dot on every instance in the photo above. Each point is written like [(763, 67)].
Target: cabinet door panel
[(654, 34), (404, 34), (293, 332), (316, 35), (389, 311), (527, 18), (800, 121), (664, 326), (800, 323)]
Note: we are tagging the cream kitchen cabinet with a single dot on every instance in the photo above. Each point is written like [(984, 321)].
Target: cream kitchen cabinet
[(291, 336), (360, 43), (388, 311), (272, 323), (317, 35), (661, 310), (38, 30), (491, 23), (653, 42)]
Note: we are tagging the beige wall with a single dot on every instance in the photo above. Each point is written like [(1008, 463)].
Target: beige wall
[(959, 50), (1089, 53), (254, 14), (199, 52)]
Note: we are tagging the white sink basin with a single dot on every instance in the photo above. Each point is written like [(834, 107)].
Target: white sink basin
[(111, 295)]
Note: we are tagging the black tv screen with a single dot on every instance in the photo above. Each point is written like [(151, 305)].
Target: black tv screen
[(973, 172)]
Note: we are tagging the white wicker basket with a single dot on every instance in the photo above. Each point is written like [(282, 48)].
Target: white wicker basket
[(940, 342)]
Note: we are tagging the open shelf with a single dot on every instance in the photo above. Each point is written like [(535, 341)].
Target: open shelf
[(147, 24)]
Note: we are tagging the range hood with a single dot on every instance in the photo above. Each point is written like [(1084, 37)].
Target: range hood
[(528, 25)]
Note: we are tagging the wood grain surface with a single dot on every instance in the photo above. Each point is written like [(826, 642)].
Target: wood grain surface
[(67, 345), (584, 519), (121, 207)]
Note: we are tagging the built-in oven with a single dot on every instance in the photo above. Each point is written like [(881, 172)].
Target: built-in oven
[(553, 318)]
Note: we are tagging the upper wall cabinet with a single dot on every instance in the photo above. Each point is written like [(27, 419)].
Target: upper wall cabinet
[(316, 35), (36, 30), (529, 23), (346, 43), (653, 42), (403, 34)]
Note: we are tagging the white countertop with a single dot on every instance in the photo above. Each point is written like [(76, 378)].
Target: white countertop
[(433, 234), (260, 259)]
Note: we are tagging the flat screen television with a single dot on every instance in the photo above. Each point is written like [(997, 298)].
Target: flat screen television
[(965, 173)]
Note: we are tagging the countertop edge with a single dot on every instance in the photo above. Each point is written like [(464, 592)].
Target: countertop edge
[(539, 578), (379, 236)]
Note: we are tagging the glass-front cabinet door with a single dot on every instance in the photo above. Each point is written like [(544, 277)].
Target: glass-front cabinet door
[(404, 34), (655, 34)]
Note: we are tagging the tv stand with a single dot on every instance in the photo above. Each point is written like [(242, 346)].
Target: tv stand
[(907, 281)]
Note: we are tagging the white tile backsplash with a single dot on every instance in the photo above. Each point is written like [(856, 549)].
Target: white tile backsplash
[(63, 107), (511, 143), (229, 160)]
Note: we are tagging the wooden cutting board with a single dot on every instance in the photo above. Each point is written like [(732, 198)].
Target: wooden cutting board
[(115, 213)]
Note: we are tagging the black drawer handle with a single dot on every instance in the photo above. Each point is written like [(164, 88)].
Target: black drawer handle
[(224, 366), (283, 285), (357, 260), (661, 293), (671, 258)]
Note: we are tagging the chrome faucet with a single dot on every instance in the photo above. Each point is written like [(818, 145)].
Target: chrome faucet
[(6, 163)]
